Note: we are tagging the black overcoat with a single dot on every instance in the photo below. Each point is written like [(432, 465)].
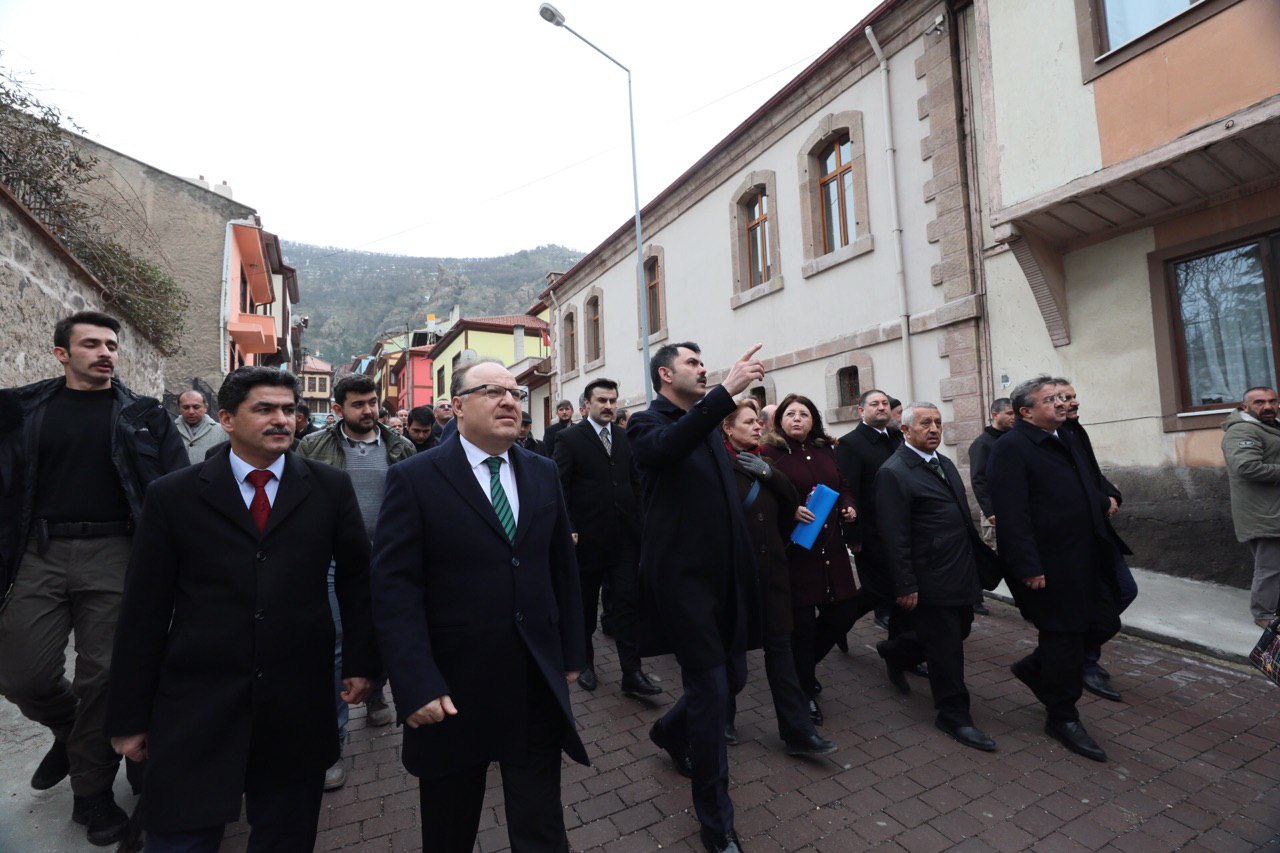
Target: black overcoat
[(1050, 520), (461, 611), (601, 489), (929, 541), (859, 455), (239, 685), (698, 591), (770, 519)]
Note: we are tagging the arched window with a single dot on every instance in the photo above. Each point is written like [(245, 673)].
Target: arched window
[(569, 343), (592, 330)]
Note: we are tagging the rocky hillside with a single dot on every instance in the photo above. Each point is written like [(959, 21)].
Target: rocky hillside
[(353, 297)]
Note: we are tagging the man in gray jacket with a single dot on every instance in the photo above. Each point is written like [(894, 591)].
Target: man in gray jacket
[(197, 430), (1251, 444), (365, 448)]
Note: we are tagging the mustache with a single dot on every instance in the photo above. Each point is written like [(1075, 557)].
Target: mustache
[(278, 431)]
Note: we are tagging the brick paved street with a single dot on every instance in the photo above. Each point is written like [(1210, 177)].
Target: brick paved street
[(1193, 765)]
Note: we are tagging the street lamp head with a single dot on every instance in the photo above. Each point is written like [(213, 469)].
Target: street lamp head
[(551, 14)]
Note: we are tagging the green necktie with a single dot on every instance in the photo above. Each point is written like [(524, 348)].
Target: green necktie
[(499, 497), (933, 465)]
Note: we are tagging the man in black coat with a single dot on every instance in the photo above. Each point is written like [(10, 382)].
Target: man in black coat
[(698, 588), (932, 551), (1096, 679), (564, 420), (479, 614), (860, 453), (525, 439), (222, 676), (1053, 536), (1001, 416), (602, 488)]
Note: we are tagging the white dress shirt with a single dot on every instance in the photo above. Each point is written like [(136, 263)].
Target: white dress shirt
[(240, 470), (596, 426), (506, 475), (927, 457)]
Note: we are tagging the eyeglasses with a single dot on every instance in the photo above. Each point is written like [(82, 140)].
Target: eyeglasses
[(444, 405), (496, 392)]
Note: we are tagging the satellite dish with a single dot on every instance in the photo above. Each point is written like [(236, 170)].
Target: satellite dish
[(468, 356)]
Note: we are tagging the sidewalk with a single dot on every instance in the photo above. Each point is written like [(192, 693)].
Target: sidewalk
[(1204, 617), (1194, 763)]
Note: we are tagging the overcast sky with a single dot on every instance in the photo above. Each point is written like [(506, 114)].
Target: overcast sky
[(425, 128)]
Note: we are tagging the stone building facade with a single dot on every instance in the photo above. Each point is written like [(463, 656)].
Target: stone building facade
[(744, 247), (182, 226), (40, 283)]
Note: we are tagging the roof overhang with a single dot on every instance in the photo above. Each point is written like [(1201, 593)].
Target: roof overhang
[(1234, 156), (257, 269)]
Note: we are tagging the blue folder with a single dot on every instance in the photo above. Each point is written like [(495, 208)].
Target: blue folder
[(821, 501)]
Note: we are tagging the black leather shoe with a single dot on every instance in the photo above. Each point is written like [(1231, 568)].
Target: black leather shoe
[(920, 669), (107, 822), (815, 713), (638, 684), (1073, 736), (1022, 671), (730, 735), (53, 768), (842, 643), (1100, 668), (715, 843), (587, 680), (897, 678), (968, 735), (882, 622), (817, 687), (981, 609), (1100, 685), (679, 753), (811, 745)]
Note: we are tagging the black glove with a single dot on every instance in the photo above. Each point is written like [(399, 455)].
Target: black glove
[(755, 466)]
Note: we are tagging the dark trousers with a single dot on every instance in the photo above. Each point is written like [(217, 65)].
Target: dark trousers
[(814, 634), (1128, 588), (790, 702), (935, 635), (698, 718), (619, 563), (282, 819), (450, 806), (75, 586), (1056, 668)]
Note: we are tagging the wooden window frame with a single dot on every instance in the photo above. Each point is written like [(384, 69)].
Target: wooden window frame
[(1175, 415), (1096, 58), (835, 412), (593, 331), (831, 128), (745, 291), (569, 343), (656, 255)]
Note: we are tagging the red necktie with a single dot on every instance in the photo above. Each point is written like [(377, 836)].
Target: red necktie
[(260, 507)]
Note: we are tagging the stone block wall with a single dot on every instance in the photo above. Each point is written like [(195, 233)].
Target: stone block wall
[(40, 283)]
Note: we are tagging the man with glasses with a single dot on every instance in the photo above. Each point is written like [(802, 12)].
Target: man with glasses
[(443, 411), (477, 601), (1060, 553)]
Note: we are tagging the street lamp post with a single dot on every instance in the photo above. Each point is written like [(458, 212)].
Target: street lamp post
[(552, 15)]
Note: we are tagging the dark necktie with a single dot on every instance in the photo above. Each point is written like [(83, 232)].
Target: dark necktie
[(260, 506), (499, 497), (608, 442), (936, 467)]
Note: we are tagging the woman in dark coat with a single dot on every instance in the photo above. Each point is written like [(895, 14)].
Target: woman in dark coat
[(769, 502), (822, 584)]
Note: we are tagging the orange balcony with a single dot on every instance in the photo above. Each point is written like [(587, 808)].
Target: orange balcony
[(256, 269), (253, 333)]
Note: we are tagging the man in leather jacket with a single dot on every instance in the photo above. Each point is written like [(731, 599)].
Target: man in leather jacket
[(80, 451)]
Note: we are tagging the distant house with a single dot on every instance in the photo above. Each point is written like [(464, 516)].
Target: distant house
[(513, 339), (317, 383)]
